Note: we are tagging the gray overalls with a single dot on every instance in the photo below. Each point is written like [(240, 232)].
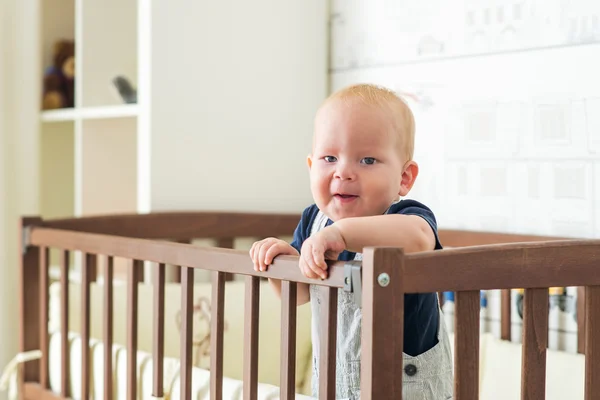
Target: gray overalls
[(427, 376)]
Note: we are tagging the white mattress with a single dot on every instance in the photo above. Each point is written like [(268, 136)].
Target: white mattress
[(232, 388)]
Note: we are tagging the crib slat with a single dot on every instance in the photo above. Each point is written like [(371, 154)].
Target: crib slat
[(382, 366), (535, 342), (226, 243), (216, 336), (159, 330), (592, 342), (44, 344), (108, 327), (86, 276), (251, 337), (328, 343), (175, 272), (505, 317), (187, 293), (134, 272), (581, 320), (64, 323), (288, 340), (466, 343)]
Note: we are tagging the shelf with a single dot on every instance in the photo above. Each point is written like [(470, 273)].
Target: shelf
[(72, 114)]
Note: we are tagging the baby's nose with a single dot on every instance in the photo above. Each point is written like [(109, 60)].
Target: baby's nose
[(345, 172)]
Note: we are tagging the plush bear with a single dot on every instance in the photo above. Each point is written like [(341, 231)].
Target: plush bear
[(59, 78)]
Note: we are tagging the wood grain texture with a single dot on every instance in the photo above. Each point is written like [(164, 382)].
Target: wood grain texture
[(183, 225), (187, 311), (535, 343), (108, 327), (592, 342), (158, 340), (33, 391), (29, 302), (382, 325), (288, 340), (505, 314), (581, 320), (134, 268), (504, 266), (44, 309), (327, 346), (251, 319), (459, 238), (64, 324), (226, 243), (217, 323), (88, 269), (206, 258), (466, 344)]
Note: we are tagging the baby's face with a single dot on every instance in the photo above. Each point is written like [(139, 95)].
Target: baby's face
[(356, 167)]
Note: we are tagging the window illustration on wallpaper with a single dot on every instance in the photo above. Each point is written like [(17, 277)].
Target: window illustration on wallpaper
[(562, 315), (392, 31)]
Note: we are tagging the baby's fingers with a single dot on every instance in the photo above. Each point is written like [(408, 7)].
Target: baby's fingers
[(273, 251), (311, 264), (262, 254), (254, 254), (306, 270)]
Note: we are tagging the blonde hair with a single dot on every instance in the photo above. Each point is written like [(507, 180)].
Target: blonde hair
[(380, 96)]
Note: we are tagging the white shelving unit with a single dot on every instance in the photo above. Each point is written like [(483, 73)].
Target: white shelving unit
[(89, 152), (83, 113), (226, 95)]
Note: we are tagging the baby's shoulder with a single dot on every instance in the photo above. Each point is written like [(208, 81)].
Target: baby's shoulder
[(409, 206)]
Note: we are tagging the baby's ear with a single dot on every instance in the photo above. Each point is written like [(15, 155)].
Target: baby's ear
[(409, 175), (309, 161)]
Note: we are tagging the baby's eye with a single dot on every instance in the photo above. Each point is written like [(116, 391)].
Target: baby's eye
[(330, 158), (368, 160)]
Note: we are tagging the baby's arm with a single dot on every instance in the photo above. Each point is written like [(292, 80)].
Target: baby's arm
[(263, 252), (410, 232)]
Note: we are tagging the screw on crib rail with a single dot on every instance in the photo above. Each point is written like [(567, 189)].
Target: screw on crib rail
[(353, 280)]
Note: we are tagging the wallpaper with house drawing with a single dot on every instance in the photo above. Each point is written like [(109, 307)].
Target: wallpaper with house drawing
[(507, 100)]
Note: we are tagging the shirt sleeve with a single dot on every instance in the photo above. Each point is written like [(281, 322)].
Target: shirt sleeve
[(303, 227), (412, 207)]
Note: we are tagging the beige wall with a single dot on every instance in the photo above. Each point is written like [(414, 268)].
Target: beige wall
[(232, 111), (18, 151)]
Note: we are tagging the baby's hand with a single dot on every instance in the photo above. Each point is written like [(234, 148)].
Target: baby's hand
[(326, 244), (264, 251)]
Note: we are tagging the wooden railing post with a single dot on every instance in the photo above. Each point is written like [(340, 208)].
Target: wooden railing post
[(581, 319), (29, 300), (592, 342), (466, 344), (382, 324), (505, 311), (535, 343)]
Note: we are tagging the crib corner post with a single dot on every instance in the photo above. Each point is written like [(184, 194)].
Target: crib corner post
[(382, 323), (29, 304)]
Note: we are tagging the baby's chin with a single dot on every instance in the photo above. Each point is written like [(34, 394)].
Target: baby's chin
[(336, 214)]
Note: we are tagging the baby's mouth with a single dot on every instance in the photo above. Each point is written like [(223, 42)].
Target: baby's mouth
[(345, 196)]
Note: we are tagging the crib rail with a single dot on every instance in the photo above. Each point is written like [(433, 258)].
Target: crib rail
[(185, 257), (387, 275), (534, 266), (182, 226)]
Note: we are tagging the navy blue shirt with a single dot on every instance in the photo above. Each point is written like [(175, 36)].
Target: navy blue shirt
[(421, 316)]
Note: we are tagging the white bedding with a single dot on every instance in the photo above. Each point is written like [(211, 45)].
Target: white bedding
[(232, 388)]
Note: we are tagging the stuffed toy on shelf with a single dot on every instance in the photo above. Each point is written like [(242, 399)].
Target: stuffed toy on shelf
[(59, 78)]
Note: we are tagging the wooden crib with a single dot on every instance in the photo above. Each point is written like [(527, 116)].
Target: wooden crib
[(477, 261)]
